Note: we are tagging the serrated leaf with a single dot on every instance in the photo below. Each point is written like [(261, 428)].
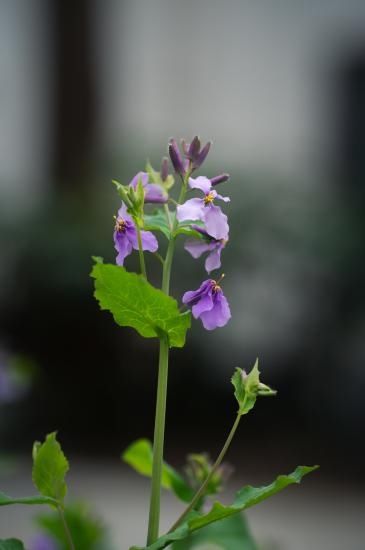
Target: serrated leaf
[(139, 455), (157, 222), (136, 303), (245, 498), (49, 468), (11, 544), (232, 533), (5, 500)]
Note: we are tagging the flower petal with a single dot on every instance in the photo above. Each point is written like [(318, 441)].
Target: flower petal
[(123, 214), (193, 209), (143, 176), (197, 247), (219, 315), (149, 241), (201, 183), (213, 260), (215, 222), (122, 245), (155, 194), (225, 199)]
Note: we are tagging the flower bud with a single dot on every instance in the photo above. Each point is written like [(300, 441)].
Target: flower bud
[(164, 172), (176, 157), (219, 179)]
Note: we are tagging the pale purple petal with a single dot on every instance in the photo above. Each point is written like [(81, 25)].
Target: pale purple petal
[(143, 176), (197, 247), (201, 183), (225, 199), (219, 315), (206, 303), (122, 245), (123, 214), (149, 241), (213, 260), (193, 209), (215, 222), (200, 300), (155, 194)]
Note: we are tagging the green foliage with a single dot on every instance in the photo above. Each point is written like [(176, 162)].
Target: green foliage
[(245, 498), (232, 533), (11, 544), (38, 499), (139, 456), (49, 468), (157, 221), (87, 531), (136, 303), (198, 469), (155, 177), (248, 387)]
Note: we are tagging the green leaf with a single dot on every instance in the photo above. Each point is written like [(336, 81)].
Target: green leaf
[(49, 468), (184, 228), (155, 177), (245, 498), (136, 303), (5, 500), (11, 544), (139, 455), (157, 222), (232, 533)]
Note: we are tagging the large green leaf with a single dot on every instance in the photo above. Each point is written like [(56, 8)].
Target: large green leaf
[(5, 500), (134, 302), (232, 533), (11, 544), (49, 468), (139, 455), (245, 498)]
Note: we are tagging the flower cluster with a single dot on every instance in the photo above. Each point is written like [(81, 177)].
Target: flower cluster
[(208, 225)]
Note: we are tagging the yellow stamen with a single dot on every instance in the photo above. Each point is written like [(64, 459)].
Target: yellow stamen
[(209, 197)]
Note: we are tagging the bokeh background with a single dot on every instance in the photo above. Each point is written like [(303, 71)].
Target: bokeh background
[(88, 91)]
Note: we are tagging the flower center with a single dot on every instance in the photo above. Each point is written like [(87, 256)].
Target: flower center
[(209, 198), (215, 286), (120, 225)]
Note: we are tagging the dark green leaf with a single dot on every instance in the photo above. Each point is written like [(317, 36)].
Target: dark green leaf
[(5, 500), (232, 533), (49, 468), (136, 303), (11, 544), (139, 456), (245, 498)]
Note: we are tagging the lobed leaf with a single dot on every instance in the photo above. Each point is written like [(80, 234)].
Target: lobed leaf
[(139, 455), (5, 500), (49, 468), (136, 303), (245, 498)]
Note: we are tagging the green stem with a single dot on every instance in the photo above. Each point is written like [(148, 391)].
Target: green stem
[(200, 493), (158, 442), (168, 217), (66, 528), (159, 432), (140, 252)]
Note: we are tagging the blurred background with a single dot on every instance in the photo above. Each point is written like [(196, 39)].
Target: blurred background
[(89, 90)]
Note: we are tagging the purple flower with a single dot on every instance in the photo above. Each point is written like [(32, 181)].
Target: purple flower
[(209, 304), (153, 192), (197, 247), (43, 542), (204, 209), (194, 153), (125, 236)]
